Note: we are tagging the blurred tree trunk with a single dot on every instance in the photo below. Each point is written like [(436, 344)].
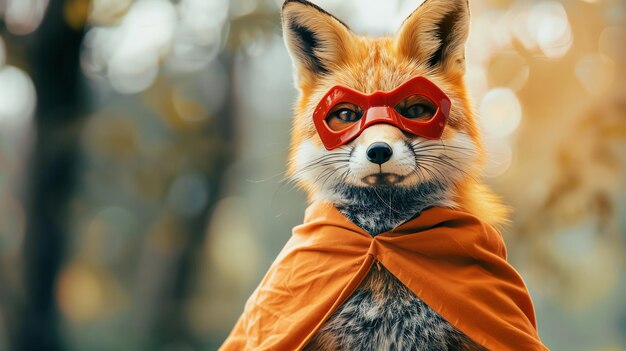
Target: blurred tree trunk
[(53, 59), (172, 325)]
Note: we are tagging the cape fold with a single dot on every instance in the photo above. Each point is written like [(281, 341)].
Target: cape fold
[(451, 260)]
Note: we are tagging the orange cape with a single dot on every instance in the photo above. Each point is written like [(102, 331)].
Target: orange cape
[(451, 260)]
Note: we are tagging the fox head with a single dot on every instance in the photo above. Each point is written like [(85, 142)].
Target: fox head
[(430, 43)]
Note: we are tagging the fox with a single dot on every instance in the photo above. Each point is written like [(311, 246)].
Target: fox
[(399, 247), (386, 176)]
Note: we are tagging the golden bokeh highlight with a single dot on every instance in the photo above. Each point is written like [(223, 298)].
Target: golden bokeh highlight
[(86, 293), (500, 112)]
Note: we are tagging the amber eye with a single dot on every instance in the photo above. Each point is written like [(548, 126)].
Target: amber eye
[(343, 115), (416, 107)]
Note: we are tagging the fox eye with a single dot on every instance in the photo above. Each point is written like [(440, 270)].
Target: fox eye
[(343, 115), (416, 107), (347, 115)]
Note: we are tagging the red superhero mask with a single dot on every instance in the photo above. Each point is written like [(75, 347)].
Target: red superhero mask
[(418, 107)]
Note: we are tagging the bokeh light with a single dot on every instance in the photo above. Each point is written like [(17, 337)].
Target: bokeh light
[(23, 16), (499, 157), (595, 72), (609, 42), (105, 12), (187, 35), (549, 26), (85, 293), (500, 112), (17, 97)]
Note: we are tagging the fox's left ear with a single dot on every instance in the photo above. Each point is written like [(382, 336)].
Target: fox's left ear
[(436, 33)]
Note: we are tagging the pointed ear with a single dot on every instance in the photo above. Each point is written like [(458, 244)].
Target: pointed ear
[(435, 34), (316, 41)]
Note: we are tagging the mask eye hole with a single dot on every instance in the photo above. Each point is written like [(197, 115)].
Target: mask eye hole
[(416, 107), (343, 115)]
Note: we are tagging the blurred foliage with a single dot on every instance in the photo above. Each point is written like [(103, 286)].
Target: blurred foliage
[(159, 163)]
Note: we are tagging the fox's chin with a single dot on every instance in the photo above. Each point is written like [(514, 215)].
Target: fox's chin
[(383, 179)]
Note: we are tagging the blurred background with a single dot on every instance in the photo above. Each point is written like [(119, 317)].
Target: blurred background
[(143, 145)]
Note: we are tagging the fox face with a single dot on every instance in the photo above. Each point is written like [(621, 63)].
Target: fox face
[(384, 160)]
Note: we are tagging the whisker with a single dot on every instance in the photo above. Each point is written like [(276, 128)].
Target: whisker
[(439, 160), (461, 151)]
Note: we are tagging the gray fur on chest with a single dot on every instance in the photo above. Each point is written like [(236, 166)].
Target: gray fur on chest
[(382, 313)]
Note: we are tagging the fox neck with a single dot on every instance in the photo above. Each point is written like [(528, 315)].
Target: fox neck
[(383, 208)]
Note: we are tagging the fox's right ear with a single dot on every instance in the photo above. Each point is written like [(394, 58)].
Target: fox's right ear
[(317, 41)]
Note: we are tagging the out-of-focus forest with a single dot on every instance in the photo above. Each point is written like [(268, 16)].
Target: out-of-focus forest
[(143, 145)]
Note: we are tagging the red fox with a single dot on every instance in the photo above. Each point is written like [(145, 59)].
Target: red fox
[(380, 175), (386, 176)]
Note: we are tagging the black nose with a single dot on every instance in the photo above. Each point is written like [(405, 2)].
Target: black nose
[(379, 153)]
